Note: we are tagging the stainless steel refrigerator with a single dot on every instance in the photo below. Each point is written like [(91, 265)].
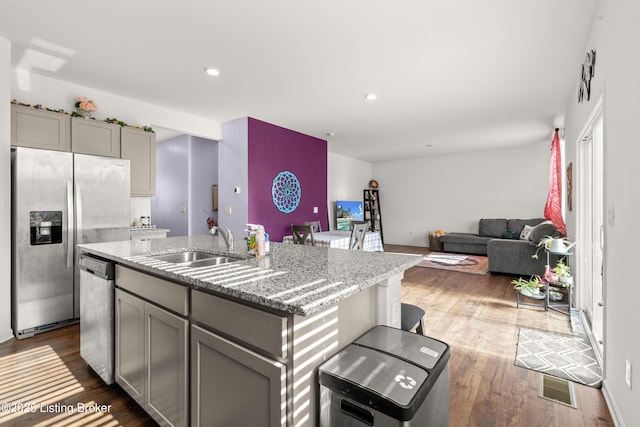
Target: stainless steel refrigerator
[(59, 200)]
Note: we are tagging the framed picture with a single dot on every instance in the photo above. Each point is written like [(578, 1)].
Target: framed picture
[(570, 187)]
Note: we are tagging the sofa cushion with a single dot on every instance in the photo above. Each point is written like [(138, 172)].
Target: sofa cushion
[(545, 228), (492, 227)]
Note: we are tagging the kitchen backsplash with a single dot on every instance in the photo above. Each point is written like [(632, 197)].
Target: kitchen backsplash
[(140, 206)]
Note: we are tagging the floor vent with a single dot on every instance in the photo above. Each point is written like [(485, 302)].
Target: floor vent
[(557, 390)]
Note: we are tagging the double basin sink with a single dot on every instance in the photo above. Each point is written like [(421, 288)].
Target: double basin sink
[(194, 259)]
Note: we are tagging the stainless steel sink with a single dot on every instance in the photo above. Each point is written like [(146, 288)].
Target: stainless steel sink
[(184, 257), (210, 261), (195, 259)]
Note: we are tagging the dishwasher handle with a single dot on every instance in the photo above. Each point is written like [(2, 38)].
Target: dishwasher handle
[(102, 268)]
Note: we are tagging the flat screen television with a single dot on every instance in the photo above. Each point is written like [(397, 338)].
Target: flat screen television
[(347, 211)]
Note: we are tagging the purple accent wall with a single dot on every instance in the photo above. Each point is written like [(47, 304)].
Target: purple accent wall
[(273, 149)]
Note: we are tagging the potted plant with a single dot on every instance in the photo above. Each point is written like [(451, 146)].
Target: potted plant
[(563, 272), (528, 287), (558, 245)]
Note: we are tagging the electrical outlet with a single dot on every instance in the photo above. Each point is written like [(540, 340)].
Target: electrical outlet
[(627, 374)]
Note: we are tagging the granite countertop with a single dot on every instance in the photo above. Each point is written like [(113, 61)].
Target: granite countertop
[(293, 279)]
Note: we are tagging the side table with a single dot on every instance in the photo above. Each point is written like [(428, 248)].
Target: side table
[(434, 242)]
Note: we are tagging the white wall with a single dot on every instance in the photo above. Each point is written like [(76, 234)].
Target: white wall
[(615, 36), (346, 178), (5, 191), (454, 192)]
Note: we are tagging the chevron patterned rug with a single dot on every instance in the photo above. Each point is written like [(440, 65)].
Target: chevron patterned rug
[(563, 356)]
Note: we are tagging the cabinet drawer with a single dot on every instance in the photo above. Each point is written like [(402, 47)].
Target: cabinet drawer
[(255, 327), (166, 294)]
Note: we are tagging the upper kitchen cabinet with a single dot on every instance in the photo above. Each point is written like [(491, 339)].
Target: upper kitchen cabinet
[(95, 137), (37, 128), (139, 147)]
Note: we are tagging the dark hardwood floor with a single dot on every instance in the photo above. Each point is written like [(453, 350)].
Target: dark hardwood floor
[(476, 315)]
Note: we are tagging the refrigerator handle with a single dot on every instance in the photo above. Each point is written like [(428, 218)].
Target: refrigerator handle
[(78, 212), (70, 224)]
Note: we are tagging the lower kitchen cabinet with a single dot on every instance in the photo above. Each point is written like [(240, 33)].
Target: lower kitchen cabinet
[(234, 386), (151, 358), (129, 346)]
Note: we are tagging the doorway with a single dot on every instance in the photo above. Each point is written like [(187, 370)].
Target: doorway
[(590, 226)]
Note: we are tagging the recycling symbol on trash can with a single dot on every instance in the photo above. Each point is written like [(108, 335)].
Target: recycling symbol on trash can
[(405, 382)]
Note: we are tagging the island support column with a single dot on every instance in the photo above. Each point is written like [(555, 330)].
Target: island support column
[(388, 301)]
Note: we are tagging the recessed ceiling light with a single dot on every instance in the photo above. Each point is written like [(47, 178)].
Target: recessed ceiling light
[(330, 134), (212, 71), (370, 96)]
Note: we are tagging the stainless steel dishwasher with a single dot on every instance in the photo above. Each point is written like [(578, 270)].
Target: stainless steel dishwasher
[(97, 289)]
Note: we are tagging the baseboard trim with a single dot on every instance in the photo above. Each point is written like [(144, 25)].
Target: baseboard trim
[(611, 404), (6, 335)]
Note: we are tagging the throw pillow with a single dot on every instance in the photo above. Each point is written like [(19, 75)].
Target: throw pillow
[(526, 231), (545, 228), (510, 234)]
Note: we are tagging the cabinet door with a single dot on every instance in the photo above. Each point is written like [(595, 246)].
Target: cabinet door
[(232, 386), (40, 129), (130, 348), (95, 137), (140, 148), (167, 366)]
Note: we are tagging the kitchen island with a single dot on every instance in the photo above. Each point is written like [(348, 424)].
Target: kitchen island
[(245, 337)]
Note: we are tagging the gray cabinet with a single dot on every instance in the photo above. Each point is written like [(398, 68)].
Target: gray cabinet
[(167, 368), (95, 137), (129, 345), (238, 364), (234, 386), (139, 147), (35, 128), (152, 345)]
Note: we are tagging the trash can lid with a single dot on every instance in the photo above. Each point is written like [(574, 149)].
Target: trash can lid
[(377, 380), (420, 350)]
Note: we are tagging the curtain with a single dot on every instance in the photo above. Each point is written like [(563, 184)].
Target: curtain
[(553, 208)]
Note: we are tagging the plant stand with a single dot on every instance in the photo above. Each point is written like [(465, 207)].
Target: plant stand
[(558, 306), (527, 300)]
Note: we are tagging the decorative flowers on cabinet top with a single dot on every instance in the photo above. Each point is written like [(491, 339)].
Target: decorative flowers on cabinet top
[(84, 107)]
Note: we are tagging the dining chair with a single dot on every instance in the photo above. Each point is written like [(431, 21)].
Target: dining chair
[(412, 317), (358, 231), (301, 233), (317, 227)]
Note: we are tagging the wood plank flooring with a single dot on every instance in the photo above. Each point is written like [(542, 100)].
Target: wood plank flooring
[(476, 315)]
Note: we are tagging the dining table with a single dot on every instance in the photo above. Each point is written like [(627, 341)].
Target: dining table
[(340, 239)]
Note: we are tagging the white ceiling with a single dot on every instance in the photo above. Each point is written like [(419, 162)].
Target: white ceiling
[(463, 75)]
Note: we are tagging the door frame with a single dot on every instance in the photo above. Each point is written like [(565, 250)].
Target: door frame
[(584, 230)]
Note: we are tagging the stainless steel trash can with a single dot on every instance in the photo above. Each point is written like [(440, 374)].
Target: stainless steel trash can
[(387, 377)]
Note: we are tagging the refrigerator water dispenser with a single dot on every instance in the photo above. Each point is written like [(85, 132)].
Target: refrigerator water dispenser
[(46, 227)]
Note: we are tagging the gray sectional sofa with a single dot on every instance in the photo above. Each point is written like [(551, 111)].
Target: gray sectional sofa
[(500, 239)]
